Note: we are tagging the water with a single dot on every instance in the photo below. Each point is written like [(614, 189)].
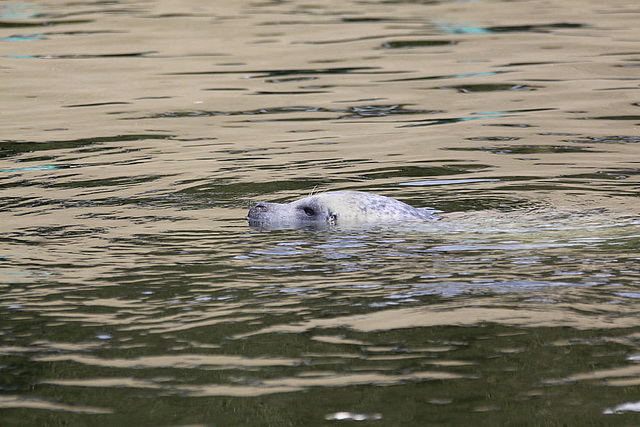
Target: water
[(136, 135)]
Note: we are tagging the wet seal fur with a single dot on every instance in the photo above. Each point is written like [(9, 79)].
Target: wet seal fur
[(334, 208)]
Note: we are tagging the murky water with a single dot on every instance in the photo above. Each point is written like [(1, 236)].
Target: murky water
[(136, 134)]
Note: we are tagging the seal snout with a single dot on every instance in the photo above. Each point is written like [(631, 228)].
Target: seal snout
[(257, 211), (260, 207)]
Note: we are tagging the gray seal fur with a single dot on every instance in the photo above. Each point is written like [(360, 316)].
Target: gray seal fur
[(334, 208)]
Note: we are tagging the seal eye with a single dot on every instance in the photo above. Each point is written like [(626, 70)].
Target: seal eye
[(309, 211)]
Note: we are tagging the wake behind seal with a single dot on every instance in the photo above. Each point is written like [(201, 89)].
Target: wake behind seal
[(335, 208)]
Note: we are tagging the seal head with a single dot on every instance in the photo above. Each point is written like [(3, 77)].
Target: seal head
[(334, 208)]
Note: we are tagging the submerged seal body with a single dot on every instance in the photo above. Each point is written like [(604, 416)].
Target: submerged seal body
[(334, 208)]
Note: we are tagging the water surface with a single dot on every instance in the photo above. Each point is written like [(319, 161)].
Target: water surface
[(136, 135)]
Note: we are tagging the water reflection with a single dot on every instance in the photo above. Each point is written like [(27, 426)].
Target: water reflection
[(139, 133)]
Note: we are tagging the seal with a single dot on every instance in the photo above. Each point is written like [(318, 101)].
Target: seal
[(334, 208)]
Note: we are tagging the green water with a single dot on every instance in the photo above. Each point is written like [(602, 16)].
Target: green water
[(136, 135)]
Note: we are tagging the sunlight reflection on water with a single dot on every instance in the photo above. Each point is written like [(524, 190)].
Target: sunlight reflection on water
[(138, 134)]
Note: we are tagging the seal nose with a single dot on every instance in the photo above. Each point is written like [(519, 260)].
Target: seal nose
[(258, 209)]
